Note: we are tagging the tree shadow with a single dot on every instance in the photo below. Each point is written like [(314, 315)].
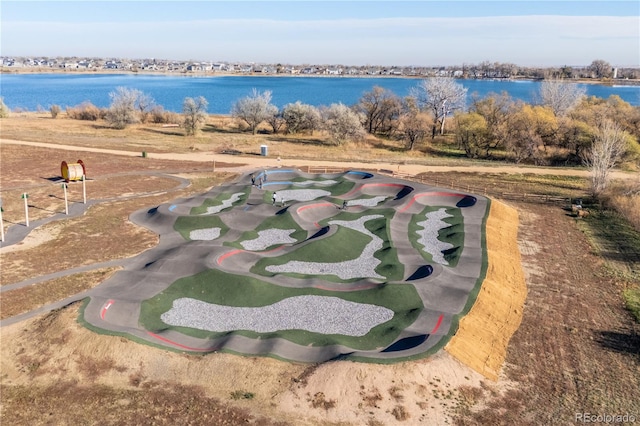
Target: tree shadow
[(626, 342), (163, 132), (210, 128), (101, 127), (303, 141), (387, 147)]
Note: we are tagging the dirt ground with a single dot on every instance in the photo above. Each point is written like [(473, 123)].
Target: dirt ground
[(577, 350)]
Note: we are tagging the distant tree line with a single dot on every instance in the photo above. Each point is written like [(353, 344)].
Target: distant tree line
[(562, 127)]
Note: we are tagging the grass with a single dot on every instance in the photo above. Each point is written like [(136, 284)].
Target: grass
[(217, 201), (345, 244), (342, 187), (453, 234), (615, 240), (66, 402), (283, 221), (632, 301), (218, 287), (185, 224), (498, 183), (26, 299)]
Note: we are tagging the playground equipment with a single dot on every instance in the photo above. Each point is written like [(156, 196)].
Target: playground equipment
[(73, 171)]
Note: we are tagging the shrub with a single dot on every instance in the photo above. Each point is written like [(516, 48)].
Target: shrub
[(625, 199), (158, 115), (54, 110), (301, 117), (342, 124), (122, 111), (4, 110), (85, 111)]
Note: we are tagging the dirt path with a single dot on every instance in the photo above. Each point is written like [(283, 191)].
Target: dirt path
[(250, 163)]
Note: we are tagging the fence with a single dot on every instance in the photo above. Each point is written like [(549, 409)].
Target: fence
[(451, 184)]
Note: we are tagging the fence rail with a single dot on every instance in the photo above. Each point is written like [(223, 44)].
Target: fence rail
[(472, 189)]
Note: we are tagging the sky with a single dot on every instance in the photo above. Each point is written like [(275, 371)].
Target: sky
[(402, 33)]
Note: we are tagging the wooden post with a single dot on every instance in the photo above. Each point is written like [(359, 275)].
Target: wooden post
[(214, 165), (66, 203), (26, 208), (84, 190)]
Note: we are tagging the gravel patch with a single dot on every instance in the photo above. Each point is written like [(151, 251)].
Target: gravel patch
[(317, 314), (362, 267), (225, 204), (368, 202), (205, 234), (268, 238), (429, 235), (300, 194)]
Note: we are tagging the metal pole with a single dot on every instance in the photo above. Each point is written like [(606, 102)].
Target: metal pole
[(66, 203), (26, 209), (1, 226), (84, 190)]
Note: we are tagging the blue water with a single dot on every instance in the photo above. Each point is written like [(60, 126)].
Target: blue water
[(36, 91)]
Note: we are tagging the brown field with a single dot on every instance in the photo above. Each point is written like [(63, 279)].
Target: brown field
[(577, 348)]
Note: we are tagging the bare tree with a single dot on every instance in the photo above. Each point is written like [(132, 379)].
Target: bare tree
[(253, 109), (275, 120), (381, 109), (600, 68), (606, 151), (145, 104), (441, 96), (122, 110), (194, 113), (301, 117), (561, 96), (342, 123)]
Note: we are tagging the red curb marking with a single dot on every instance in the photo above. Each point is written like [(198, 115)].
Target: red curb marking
[(164, 339), (396, 185), (237, 251), (430, 194), (226, 255), (437, 324), (313, 206), (354, 288), (105, 307)]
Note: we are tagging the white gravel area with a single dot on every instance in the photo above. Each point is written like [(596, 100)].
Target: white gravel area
[(369, 202), (225, 204), (205, 234), (429, 235), (362, 267), (269, 237), (318, 314), (300, 194), (327, 182)]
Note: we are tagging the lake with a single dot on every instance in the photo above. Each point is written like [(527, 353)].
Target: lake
[(32, 92)]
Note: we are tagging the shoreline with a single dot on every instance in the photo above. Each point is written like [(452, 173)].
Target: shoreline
[(43, 70)]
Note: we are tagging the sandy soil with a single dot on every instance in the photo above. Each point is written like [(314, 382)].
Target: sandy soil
[(337, 392), (250, 163), (565, 356)]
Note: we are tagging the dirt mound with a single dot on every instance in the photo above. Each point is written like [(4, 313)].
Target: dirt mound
[(484, 333)]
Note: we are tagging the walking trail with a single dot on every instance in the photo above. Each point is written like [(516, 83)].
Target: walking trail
[(250, 163)]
